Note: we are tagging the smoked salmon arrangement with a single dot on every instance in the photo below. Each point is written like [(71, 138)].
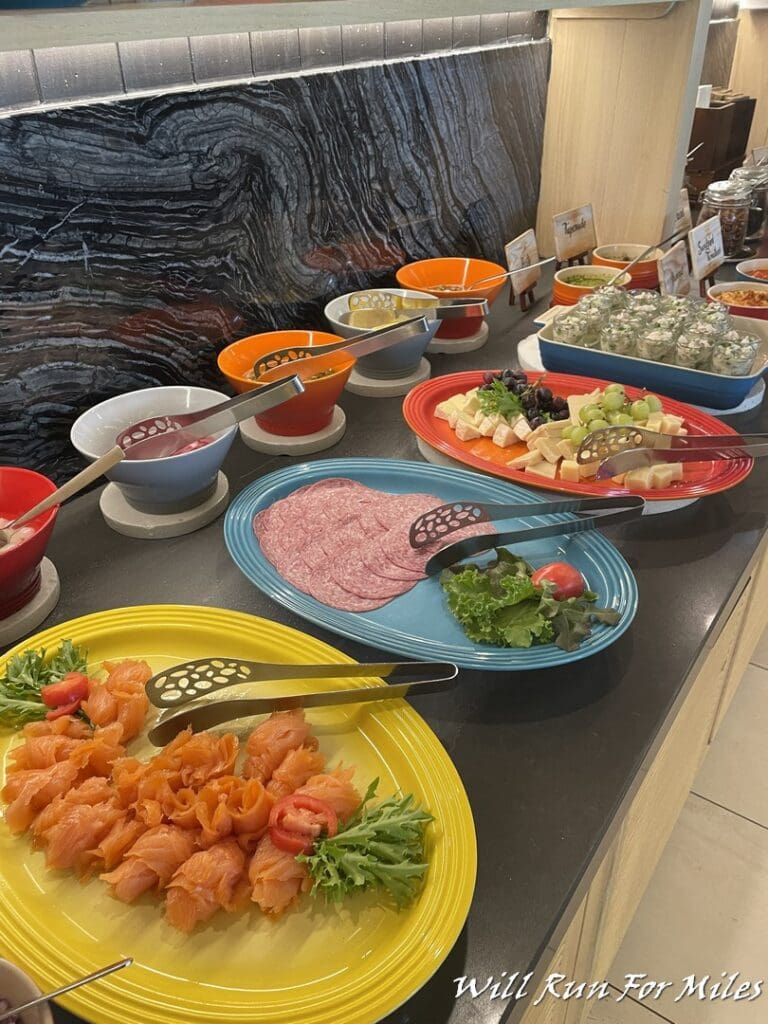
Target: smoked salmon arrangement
[(196, 825)]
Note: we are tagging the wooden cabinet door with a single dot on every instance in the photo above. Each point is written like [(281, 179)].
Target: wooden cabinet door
[(551, 1010)]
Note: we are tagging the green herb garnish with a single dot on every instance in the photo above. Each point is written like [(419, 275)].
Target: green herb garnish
[(379, 847), (498, 604), (25, 676), (499, 400)]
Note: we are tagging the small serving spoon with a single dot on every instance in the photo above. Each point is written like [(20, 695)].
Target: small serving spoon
[(486, 280), (18, 1010), (642, 256), (67, 490)]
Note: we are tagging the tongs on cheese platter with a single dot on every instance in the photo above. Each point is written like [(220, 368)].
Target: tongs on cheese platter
[(193, 680), (438, 523), (620, 449)]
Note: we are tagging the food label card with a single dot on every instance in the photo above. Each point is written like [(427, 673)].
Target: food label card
[(521, 252), (673, 271), (706, 245), (759, 155), (683, 221), (574, 232)]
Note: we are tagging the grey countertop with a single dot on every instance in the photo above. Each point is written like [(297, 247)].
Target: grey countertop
[(547, 758)]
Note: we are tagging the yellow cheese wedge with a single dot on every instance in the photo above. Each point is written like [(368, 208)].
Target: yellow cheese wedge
[(588, 469), (547, 447), (569, 470), (567, 449), (667, 473), (639, 479), (527, 459), (547, 469), (655, 421)]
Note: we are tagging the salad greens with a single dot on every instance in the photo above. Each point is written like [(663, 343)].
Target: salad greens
[(498, 399), (25, 676), (379, 847), (498, 604)]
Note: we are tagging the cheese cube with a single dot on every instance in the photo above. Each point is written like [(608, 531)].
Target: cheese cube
[(471, 392), (444, 409), (547, 469), (548, 449), (522, 428), (504, 436), (466, 432), (682, 431), (471, 403), (488, 427), (619, 479), (567, 449), (665, 474), (655, 421), (527, 459), (639, 479), (577, 402), (477, 418), (672, 424), (551, 429), (569, 470), (453, 417), (588, 469)]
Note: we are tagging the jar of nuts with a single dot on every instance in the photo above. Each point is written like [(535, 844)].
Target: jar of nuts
[(730, 201)]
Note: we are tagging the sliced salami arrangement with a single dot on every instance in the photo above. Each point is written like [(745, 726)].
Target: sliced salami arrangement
[(346, 544)]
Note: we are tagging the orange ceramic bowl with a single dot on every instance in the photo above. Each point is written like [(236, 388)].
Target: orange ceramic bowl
[(566, 294), (644, 274), (306, 413), (428, 275)]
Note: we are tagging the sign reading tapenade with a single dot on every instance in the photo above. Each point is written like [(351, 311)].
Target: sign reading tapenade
[(706, 245), (521, 252), (674, 278), (574, 232)]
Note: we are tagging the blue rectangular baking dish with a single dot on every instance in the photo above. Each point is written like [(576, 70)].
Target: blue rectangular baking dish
[(697, 387)]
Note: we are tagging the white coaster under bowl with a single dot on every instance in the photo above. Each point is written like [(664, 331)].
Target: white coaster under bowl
[(438, 459), (371, 387), (528, 354), (28, 618), (306, 444), (125, 519), (456, 345)]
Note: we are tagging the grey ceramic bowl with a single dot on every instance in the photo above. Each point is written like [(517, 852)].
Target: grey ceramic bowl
[(392, 363), (18, 988), (155, 486)]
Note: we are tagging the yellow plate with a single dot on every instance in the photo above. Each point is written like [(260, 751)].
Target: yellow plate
[(316, 964)]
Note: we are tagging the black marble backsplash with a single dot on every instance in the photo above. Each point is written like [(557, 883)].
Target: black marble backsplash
[(139, 237)]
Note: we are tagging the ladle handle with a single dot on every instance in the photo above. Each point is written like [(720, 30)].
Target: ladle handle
[(77, 483)]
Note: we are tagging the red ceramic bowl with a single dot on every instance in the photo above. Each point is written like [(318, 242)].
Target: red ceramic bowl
[(716, 293), (306, 413), (427, 275), (20, 489)]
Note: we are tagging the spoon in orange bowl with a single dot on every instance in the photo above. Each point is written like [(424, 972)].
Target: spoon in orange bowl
[(16, 1011), (485, 280), (71, 487)]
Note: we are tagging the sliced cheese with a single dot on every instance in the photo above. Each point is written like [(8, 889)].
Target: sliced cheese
[(552, 428), (569, 470), (639, 479), (547, 447), (488, 427), (527, 459), (567, 449), (466, 431), (504, 436), (577, 402), (547, 469), (444, 409), (588, 469), (667, 473), (522, 428), (471, 402)]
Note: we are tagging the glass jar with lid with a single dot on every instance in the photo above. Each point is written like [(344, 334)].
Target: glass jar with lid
[(730, 201), (757, 179)]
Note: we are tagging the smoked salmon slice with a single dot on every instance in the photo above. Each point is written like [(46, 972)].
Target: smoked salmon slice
[(271, 741), (151, 862), (115, 844), (198, 757), (297, 767), (208, 881), (121, 698), (336, 789), (29, 792), (276, 877)]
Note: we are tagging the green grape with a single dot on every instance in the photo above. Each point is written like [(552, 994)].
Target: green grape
[(584, 414), (615, 389), (598, 424), (566, 435), (624, 420), (613, 401), (578, 434), (640, 410), (653, 403), (615, 418)]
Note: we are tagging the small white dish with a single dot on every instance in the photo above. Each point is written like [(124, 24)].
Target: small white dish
[(18, 988)]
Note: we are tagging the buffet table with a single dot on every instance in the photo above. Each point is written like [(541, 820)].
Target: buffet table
[(575, 776)]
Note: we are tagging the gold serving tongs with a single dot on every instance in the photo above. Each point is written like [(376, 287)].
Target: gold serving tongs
[(188, 683)]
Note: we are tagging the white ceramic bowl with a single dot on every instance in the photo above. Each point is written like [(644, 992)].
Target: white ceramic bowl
[(746, 268), (398, 361), (155, 486), (17, 987)]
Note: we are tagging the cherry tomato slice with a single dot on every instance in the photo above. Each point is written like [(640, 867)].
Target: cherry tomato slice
[(568, 581), (64, 709), (74, 686), (297, 820)]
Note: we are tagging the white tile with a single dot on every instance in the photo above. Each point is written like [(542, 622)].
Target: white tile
[(608, 1011), (760, 657), (735, 769), (705, 912)]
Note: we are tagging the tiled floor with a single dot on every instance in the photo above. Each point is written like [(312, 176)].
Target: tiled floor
[(705, 911)]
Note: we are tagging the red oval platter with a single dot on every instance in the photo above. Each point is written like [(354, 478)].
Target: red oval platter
[(699, 478)]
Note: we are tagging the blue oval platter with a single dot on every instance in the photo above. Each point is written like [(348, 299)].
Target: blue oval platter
[(418, 624)]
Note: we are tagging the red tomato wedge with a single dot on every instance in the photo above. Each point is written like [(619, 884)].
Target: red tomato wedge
[(74, 686), (64, 709), (296, 821), (568, 581)]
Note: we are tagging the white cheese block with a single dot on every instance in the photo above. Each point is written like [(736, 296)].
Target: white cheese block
[(548, 449), (466, 432), (488, 427), (664, 474), (522, 428), (551, 429), (672, 424), (526, 459), (569, 470), (504, 436), (444, 409), (588, 469), (547, 469), (567, 449), (471, 403), (655, 421), (577, 402), (639, 479)]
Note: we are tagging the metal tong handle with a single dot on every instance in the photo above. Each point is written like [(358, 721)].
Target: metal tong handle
[(508, 273), (422, 532), (646, 252), (638, 458), (210, 713), (193, 679), (18, 1010), (633, 507)]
